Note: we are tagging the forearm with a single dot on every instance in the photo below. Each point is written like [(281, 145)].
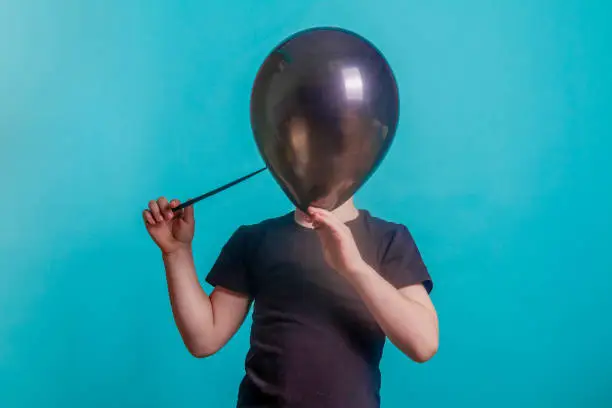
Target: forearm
[(409, 325), (191, 306)]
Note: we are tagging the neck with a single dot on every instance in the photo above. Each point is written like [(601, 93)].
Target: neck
[(345, 213)]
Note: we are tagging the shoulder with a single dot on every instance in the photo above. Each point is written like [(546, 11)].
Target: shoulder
[(256, 231), (246, 239), (383, 229), (390, 236)]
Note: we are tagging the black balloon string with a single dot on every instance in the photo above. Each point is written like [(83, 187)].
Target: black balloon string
[(217, 190)]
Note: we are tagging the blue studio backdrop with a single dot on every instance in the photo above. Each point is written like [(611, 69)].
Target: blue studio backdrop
[(500, 168)]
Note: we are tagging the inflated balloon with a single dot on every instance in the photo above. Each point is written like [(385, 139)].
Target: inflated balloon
[(324, 110)]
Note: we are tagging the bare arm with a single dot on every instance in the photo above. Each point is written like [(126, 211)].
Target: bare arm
[(407, 316), (206, 323)]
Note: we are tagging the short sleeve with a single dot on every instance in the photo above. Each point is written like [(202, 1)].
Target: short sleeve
[(231, 269), (402, 264)]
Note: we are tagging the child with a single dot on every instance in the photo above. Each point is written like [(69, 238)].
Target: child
[(327, 289)]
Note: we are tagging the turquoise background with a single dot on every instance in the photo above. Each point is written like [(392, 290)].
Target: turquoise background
[(500, 168)]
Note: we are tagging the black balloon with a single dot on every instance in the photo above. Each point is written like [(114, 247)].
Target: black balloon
[(324, 111)]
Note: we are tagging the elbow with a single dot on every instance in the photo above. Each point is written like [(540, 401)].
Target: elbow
[(425, 352), (201, 350), (197, 353)]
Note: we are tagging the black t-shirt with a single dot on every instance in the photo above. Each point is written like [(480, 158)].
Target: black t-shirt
[(313, 341)]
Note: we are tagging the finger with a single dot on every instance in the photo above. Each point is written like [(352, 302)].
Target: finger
[(325, 220), (322, 213), (325, 217), (154, 208), (311, 213), (307, 217), (164, 208), (320, 221), (148, 217), (312, 208), (188, 214), (173, 204)]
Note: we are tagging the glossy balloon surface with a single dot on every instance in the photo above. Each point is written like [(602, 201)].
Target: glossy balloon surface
[(324, 111)]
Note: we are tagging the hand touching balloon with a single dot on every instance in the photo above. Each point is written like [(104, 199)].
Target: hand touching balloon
[(339, 246), (171, 231)]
